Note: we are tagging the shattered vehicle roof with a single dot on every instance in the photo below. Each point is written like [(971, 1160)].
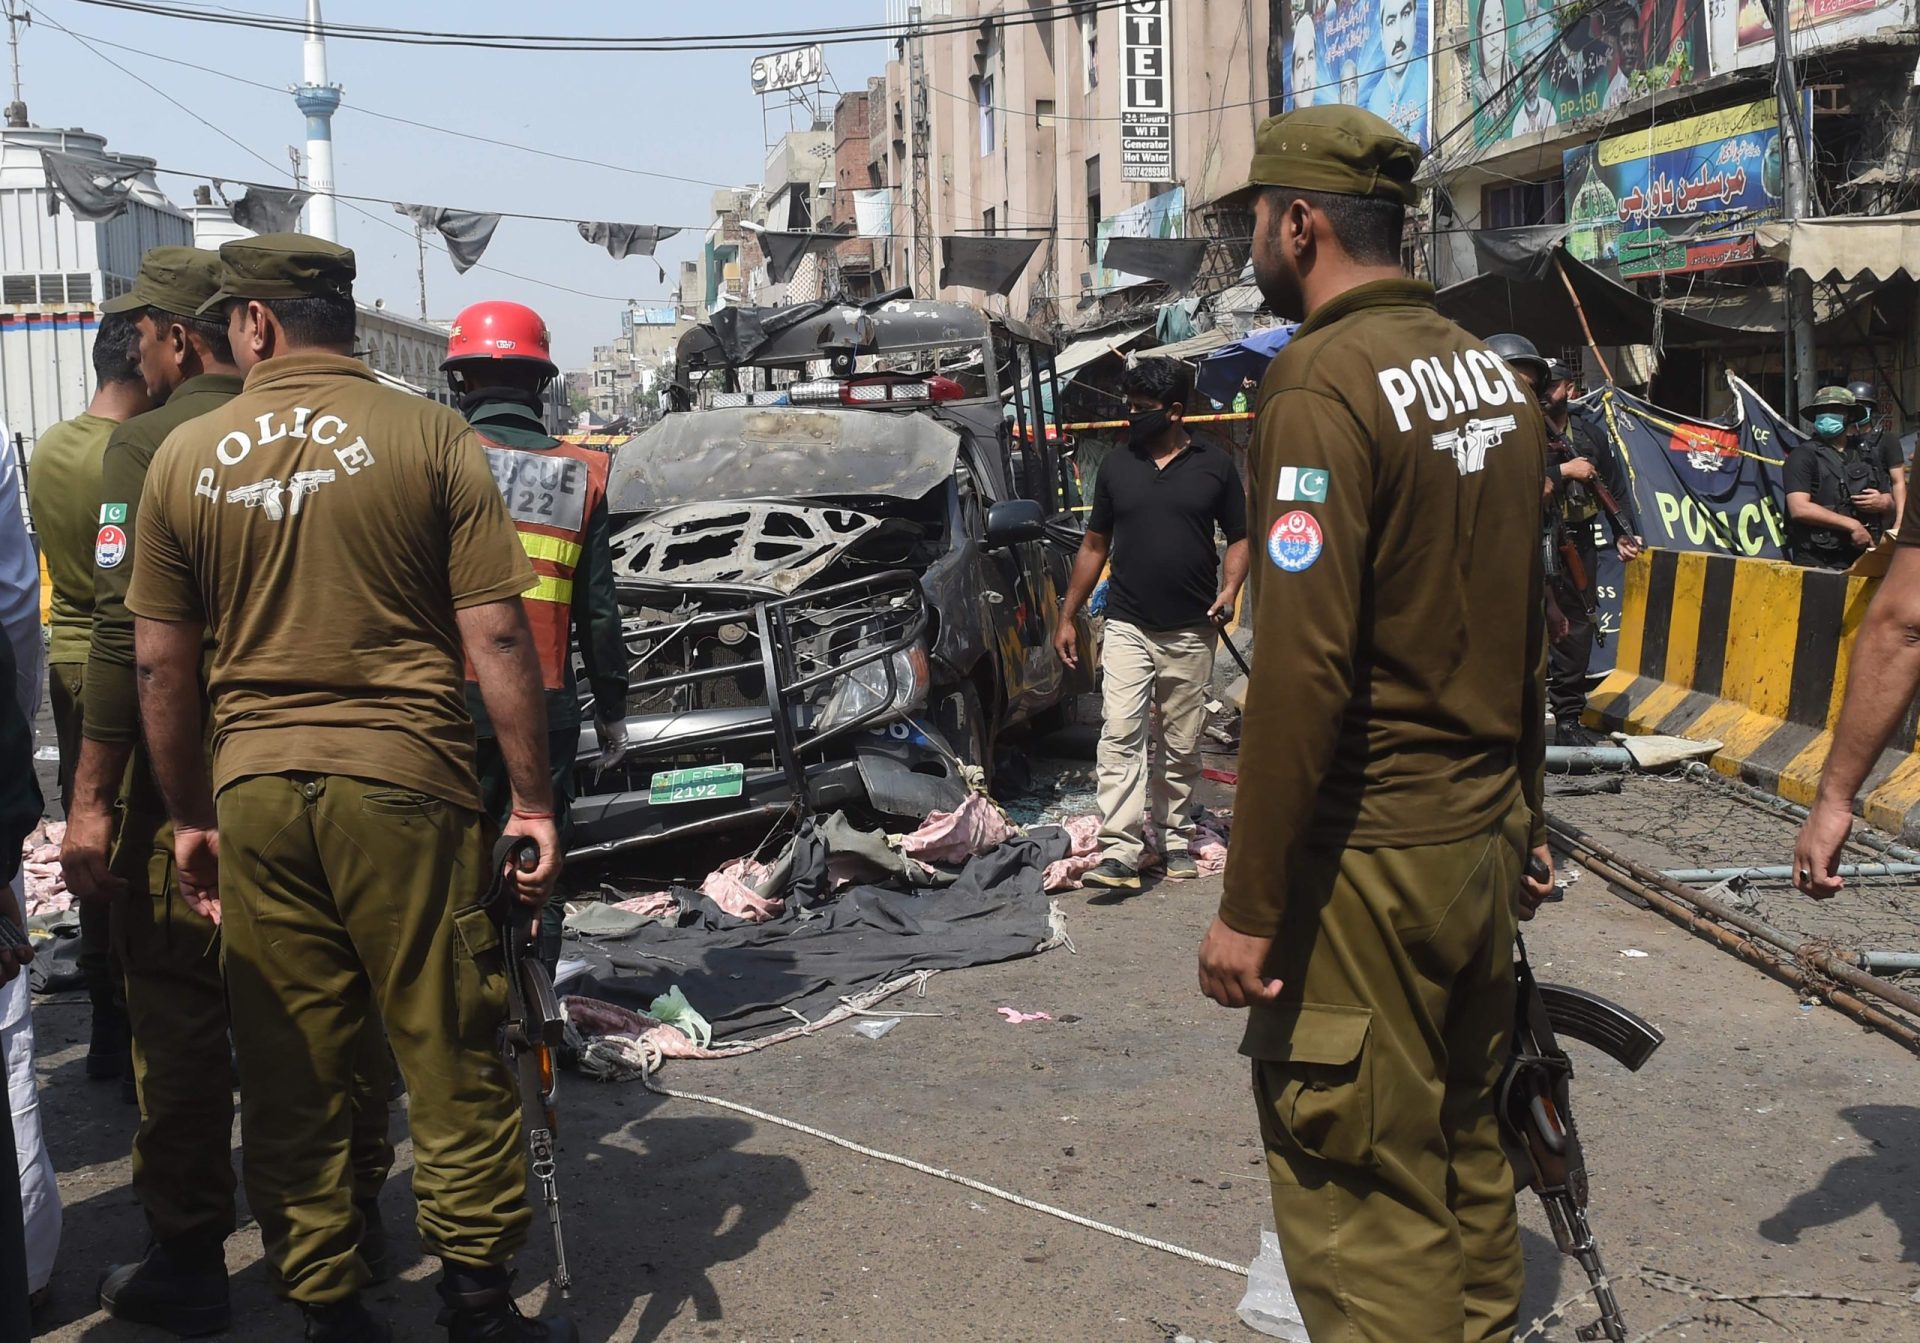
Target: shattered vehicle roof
[(774, 335), (780, 452)]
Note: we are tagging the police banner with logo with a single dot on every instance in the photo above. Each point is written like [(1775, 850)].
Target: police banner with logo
[(1696, 485)]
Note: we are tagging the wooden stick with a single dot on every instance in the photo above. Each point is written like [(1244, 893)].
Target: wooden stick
[(1581, 313)]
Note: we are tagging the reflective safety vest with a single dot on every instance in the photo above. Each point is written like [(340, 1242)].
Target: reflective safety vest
[(550, 494)]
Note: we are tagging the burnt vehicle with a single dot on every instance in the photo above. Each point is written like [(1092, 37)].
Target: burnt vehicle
[(839, 563)]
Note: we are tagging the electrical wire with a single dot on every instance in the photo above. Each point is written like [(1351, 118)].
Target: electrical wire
[(385, 223), (535, 42)]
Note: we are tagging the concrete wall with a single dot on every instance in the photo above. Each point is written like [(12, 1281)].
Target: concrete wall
[(1035, 177)]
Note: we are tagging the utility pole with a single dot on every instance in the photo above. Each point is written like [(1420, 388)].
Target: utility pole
[(1798, 201), (923, 274), (420, 242), (17, 109)]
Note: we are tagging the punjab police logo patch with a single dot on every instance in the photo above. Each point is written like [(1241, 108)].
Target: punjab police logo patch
[(109, 547), (1295, 542)]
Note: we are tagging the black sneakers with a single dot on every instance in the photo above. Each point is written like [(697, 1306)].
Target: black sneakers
[(1112, 875), (480, 1309), (186, 1295), (1181, 867)]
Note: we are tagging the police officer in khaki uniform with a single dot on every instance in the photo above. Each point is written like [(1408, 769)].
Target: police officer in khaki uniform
[(1390, 763), (343, 544), (119, 849), (63, 487)]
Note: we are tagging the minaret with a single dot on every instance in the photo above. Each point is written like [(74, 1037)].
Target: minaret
[(318, 100)]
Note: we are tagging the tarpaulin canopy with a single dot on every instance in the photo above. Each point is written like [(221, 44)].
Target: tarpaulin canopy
[(1847, 247), (1542, 310), (466, 232), (1070, 361), (1193, 347), (785, 251), (1172, 261), (1222, 372), (990, 264), (269, 209)]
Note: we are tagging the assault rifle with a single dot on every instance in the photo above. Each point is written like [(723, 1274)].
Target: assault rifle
[(530, 1040), (1536, 1115)]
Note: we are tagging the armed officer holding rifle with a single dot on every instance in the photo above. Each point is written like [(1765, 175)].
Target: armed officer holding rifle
[(1589, 482)]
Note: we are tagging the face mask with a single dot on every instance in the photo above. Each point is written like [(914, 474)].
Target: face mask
[(1145, 427), (1829, 426)]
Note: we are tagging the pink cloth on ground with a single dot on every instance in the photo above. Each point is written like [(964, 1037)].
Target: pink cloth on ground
[(1083, 833), (594, 1017), (734, 887), (975, 826)]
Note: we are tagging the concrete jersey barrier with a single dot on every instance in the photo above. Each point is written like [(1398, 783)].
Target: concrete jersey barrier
[(1752, 653)]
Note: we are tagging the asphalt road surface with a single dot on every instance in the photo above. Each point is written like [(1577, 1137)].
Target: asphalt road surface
[(1770, 1148)]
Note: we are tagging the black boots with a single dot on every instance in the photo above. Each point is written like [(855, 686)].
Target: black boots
[(373, 1241), (344, 1322), (480, 1309), (182, 1292), (109, 1045)]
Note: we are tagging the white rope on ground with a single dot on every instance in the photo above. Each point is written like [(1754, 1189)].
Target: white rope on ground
[(874, 1153)]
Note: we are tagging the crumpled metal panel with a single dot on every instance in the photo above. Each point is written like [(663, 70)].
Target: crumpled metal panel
[(736, 547), (780, 452)]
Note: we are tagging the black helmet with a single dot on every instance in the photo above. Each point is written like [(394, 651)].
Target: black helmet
[(1559, 372), (1863, 393), (1517, 349)]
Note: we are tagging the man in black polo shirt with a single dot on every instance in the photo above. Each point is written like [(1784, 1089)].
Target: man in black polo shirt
[(1155, 505)]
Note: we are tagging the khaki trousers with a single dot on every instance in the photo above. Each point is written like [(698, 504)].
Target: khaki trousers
[(177, 1009), (342, 898), (1375, 1075), (1139, 670)]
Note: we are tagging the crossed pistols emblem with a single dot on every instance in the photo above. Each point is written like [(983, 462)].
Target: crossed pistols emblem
[(1470, 442), (266, 493)]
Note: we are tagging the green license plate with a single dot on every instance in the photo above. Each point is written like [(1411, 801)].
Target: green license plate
[(697, 785)]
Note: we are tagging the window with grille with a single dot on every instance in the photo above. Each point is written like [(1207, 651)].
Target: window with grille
[(1523, 203)]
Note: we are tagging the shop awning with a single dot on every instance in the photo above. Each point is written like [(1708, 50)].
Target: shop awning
[(1541, 309), (1193, 346), (1847, 247), (1068, 363)]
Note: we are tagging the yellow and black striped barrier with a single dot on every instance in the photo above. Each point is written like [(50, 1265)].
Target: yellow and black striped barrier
[(1754, 654)]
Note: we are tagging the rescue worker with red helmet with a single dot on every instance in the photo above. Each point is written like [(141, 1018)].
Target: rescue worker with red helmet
[(499, 364)]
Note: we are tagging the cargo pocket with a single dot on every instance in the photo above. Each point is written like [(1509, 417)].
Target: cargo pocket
[(480, 985), (1314, 1075)]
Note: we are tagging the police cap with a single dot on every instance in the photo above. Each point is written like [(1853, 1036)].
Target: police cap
[(283, 265), (178, 280), (1346, 151)]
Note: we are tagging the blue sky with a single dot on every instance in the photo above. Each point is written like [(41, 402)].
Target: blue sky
[(690, 115)]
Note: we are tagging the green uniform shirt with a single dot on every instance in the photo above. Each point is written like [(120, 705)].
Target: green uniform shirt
[(113, 702), (325, 530), (63, 489), (596, 608), (1399, 695)]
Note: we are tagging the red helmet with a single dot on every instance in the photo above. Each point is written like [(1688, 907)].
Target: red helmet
[(499, 331)]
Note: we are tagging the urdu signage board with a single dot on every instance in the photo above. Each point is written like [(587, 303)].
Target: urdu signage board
[(1146, 92), (789, 69), (1681, 196)]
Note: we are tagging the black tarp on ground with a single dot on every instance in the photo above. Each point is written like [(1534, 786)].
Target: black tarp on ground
[(742, 976)]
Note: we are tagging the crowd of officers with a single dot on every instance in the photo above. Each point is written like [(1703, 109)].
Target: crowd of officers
[(269, 572)]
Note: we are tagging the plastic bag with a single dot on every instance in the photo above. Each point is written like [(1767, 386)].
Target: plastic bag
[(1268, 1307), (672, 1009)]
